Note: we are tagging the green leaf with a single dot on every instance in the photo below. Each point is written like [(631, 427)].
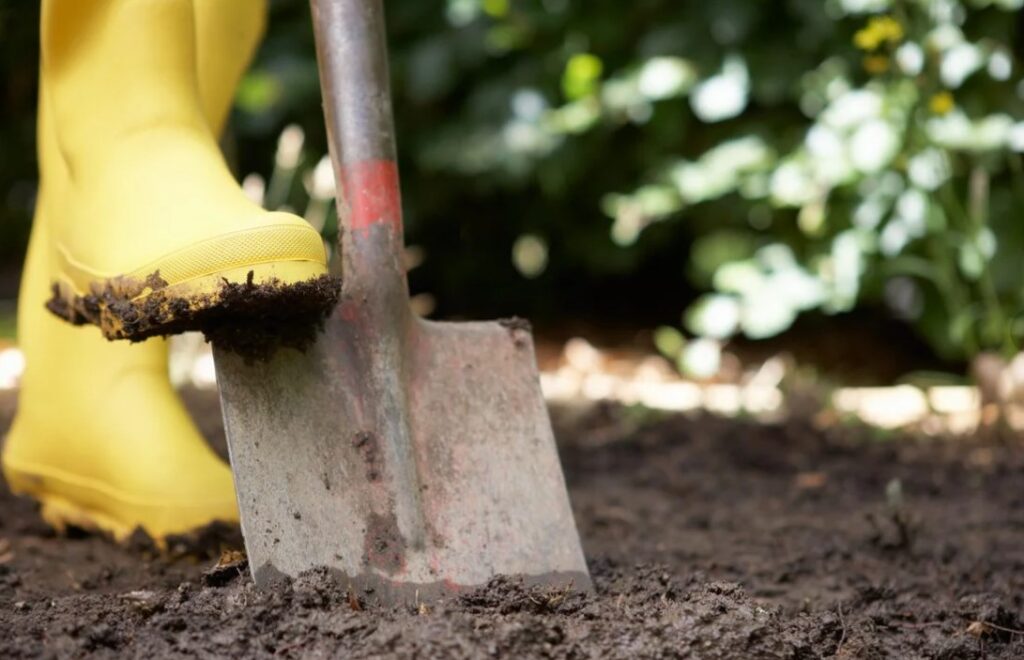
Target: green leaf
[(258, 91), (581, 76), (669, 341)]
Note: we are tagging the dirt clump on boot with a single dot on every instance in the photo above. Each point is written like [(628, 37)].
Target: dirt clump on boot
[(251, 319)]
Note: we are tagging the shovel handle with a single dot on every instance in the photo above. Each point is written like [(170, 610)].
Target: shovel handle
[(353, 64)]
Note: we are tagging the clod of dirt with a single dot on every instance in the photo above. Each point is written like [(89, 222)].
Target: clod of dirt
[(232, 564), (207, 542), (144, 601), (215, 539), (990, 619), (508, 595), (516, 323), (895, 530), (321, 588), (250, 319), (519, 330), (255, 320)]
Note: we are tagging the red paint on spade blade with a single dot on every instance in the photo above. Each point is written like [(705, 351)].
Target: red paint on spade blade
[(371, 190)]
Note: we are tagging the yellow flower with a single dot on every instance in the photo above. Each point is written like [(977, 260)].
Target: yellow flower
[(941, 103), (878, 31), (876, 64)]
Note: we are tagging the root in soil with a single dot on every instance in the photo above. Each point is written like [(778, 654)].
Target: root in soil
[(702, 537)]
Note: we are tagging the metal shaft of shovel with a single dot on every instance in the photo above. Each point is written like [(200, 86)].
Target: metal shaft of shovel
[(412, 458), (352, 58)]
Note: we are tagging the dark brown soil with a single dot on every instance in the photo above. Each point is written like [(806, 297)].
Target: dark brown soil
[(707, 538), (250, 319)]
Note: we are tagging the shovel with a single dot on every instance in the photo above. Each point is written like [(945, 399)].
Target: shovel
[(411, 458)]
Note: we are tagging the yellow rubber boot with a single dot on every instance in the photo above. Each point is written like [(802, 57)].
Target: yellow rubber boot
[(154, 236), (100, 438)]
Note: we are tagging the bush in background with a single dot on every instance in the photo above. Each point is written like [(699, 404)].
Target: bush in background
[(745, 161)]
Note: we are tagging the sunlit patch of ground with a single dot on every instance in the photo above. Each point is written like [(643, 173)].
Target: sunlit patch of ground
[(578, 375)]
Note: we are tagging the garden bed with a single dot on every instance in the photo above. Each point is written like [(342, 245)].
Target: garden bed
[(707, 538)]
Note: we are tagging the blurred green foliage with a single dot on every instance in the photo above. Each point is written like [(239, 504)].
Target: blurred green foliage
[(7, 324), (899, 182), (505, 225), (19, 61), (744, 161)]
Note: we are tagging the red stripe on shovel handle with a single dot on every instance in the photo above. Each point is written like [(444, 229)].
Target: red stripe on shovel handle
[(371, 190)]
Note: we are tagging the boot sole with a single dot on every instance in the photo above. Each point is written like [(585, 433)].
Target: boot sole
[(251, 310), (61, 498)]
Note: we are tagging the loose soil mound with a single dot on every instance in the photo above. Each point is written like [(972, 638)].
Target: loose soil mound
[(707, 538)]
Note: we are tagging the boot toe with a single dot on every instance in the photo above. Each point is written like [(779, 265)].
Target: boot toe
[(270, 277)]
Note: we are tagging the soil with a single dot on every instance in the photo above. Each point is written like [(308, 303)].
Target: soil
[(707, 538), (251, 319)]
